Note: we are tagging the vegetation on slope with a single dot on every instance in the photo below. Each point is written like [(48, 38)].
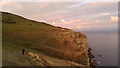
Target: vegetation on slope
[(20, 33)]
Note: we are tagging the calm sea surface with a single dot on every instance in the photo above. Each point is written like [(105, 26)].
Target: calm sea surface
[(106, 44)]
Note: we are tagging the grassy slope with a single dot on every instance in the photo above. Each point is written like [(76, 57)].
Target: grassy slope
[(26, 34), (30, 35)]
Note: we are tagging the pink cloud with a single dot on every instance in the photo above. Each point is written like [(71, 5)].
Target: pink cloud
[(34, 16), (74, 24), (53, 18), (4, 3), (42, 5), (86, 19), (97, 21), (73, 21), (104, 14)]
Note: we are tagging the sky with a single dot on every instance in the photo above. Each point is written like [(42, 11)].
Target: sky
[(78, 16)]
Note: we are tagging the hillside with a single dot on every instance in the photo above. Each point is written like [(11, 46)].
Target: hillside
[(59, 44)]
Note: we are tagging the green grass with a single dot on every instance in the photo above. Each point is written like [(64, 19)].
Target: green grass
[(29, 35), (23, 34), (12, 55)]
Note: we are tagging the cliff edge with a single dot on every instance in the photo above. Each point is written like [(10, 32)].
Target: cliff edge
[(56, 42)]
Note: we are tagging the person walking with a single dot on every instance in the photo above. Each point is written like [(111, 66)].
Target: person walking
[(23, 51)]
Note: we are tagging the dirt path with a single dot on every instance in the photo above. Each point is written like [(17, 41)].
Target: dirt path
[(44, 60)]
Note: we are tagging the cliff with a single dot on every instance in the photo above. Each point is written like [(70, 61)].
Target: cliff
[(56, 42), (73, 46)]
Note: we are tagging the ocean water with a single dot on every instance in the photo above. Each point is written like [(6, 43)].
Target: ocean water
[(106, 44)]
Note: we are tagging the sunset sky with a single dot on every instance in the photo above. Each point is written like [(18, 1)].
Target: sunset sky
[(79, 16)]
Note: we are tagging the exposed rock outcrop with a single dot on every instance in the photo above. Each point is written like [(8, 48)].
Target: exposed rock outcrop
[(74, 45), (44, 60)]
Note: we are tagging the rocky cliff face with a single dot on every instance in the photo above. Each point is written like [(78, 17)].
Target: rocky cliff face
[(75, 46)]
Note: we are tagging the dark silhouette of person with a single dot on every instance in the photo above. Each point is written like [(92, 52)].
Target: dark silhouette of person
[(23, 51)]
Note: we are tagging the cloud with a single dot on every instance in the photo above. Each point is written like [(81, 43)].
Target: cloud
[(78, 27), (33, 16), (87, 19), (97, 21), (53, 23), (43, 5), (104, 14), (81, 27), (62, 20), (114, 18), (88, 27), (53, 18), (4, 3), (71, 15), (74, 21)]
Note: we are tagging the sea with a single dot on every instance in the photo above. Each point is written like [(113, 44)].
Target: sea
[(104, 44)]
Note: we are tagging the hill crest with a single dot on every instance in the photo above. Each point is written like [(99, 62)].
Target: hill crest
[(57, 42)]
